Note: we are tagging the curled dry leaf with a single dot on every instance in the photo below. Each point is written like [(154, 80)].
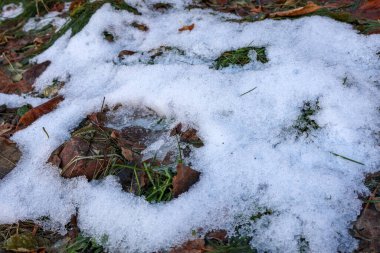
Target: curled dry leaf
[(186, 28), (184, 179), (310, 7), (33, 114)]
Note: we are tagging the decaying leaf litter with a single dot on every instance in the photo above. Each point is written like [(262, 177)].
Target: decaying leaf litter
[(289, 10)]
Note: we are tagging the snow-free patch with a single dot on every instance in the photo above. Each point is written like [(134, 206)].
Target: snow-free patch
[(254, 157)]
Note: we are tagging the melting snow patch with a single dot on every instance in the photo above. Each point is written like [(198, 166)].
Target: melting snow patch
[(53, 18), (11, 11), (252, 158)]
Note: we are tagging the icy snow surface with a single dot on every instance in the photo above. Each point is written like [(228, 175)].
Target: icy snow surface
[(251, 160), (11, 11), (53, 18)]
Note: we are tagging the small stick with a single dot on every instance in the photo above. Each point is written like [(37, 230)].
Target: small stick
[(104, 99), (247, 92), (43, 128)]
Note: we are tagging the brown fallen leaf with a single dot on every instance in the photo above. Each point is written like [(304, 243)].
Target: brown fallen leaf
[(127, 153), (184, 179), (370, 5), (140, 26), (310, 7), (9, 156), (35, 71), (7, 86), (124, 53), (6, 128), (59, 6), (193, 246), (186, 28), (218, 235), (190, 136), (33, 114), (367, 229), (370, 9)]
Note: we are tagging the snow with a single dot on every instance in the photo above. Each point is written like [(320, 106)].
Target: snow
[(251, 161), (11, 11), (53, 18)]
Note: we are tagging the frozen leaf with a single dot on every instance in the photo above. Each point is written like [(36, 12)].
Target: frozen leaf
[(184, 179), (33, 114), (310, 7), (186, 28)]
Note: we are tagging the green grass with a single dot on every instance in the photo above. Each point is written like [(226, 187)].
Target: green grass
[(83, 244), (240, 57), (234, 245)]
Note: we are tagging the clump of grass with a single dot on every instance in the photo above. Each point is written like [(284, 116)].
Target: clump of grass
[(240, 57), (153, 182), (233, 245), (305, 122), (149, 179), (84, 244)]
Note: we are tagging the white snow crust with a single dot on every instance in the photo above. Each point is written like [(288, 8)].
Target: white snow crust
[(11, 11), (54, 18), (251, 161)]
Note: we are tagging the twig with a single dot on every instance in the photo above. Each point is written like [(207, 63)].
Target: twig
[(43, 128), (104, 99), (247, 92)]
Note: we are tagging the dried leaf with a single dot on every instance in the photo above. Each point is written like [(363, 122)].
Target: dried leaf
[(21, 243), (367, 229), (124, 53), (193, 246), (5, 128), (58, 7), (35, 71), (127, 153), (186, 28), (9, 156), (370, 5), (140, 26), (190, 136), (310, 7), (218, 235), (33, 114), (184, 179)]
